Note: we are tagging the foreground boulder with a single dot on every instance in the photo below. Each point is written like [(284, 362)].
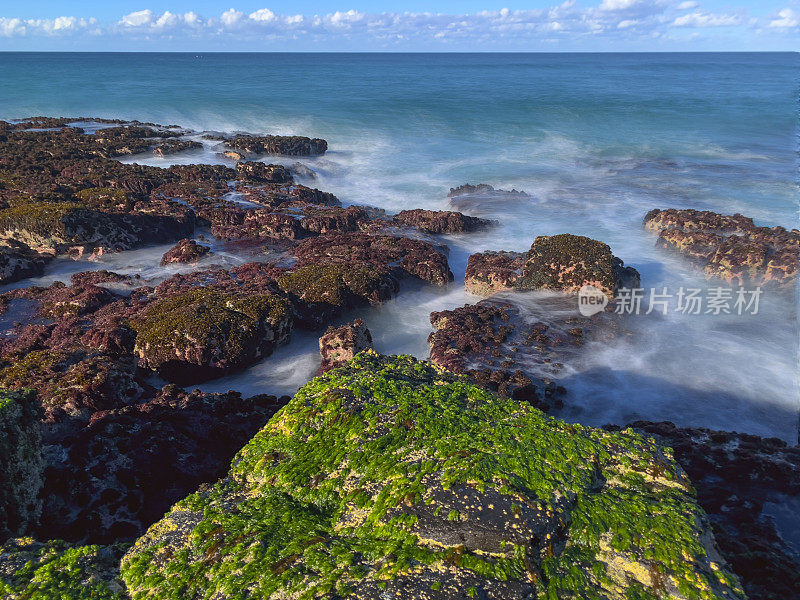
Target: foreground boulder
[(18, 261), (205, 333), (341, 344), (391, 478), (21, 463), (57, 570), (729, 247), (563, 263)]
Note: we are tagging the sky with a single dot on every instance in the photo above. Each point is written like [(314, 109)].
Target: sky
[(412, 26)]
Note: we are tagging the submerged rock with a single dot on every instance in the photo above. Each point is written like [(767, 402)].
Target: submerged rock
[(185, 251), (391, 478), (340, 344), (259, 172), (729, 247), (493, 271), (21, 463)]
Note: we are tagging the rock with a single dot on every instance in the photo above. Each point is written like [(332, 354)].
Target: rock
[(174, 146), (737, 476), (22, 465), (233, 155), (481, 188), (329, 219), (57, 570), (303, 171), (185, 251), (113, 478), (278, 145), (440, 221), (19, 262), (729, 247), (257, 223), (484, 198), (491, 272), (391, 478), (567, 262), (206, 333), (341, 344), (259, 172), (400, 256)]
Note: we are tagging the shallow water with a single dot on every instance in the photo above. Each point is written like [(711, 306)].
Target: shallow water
[(596, 140)]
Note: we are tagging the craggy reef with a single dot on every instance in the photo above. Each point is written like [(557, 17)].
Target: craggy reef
[(384, 477)]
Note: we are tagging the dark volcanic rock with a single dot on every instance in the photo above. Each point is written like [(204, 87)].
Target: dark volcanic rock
[(278, 145), (439, 221), (22, 466), (259, 172), (205, 333), (341, 344), (258, 223), (174, 146), (119, 474), (328, 219), (729, 247), (185, 251), (19, 261), (737, 476)]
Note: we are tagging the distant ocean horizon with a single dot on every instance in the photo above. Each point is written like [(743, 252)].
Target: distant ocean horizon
[(596, 139)]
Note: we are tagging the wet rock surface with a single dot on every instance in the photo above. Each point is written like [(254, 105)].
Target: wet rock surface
[(294, 145), (516, 346), (730, 248), (440, 221), (453, 490), (563, 263), (185, 251), (340, 344), (736, 477)]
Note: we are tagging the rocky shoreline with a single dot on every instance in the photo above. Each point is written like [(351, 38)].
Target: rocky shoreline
[(98, 447)]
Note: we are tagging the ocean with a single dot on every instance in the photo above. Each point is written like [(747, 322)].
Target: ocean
[(597, 140)]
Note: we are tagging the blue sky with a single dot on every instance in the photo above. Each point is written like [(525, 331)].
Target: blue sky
[(358, 25)]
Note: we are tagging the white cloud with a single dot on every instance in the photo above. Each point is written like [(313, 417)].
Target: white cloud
[(699, 19), (618, 4), (9, 27), (689, 4), (627, 23), (138, 18), (294, 20), (166, 20), (263, 15), (231, 17), (787, 19)]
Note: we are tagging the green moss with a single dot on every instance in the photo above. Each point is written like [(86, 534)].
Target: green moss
[(332, 284), (44, 219), (104, 199), (24, 370), (55, 570), (342, 490)]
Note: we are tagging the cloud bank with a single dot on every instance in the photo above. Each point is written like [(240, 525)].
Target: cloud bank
[(606, 25)]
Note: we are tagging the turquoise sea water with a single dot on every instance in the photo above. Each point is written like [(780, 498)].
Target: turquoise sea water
[(596, 139)]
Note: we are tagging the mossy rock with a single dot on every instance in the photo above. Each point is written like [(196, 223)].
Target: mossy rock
[(391, 478), (324, 291), (567, 262), (21, 462), (55, 570), (206, 333)]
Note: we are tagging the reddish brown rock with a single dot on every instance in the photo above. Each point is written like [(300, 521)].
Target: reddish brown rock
[(439, 221), (18, 261), (329, 219), (730, 248), (185, 251), (491, 272), (112, 479), (258, 223), (340, 344)]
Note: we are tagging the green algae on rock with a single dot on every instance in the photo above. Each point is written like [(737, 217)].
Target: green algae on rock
[(390, 477), (31, 570), (204, 332), (21, 462)]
